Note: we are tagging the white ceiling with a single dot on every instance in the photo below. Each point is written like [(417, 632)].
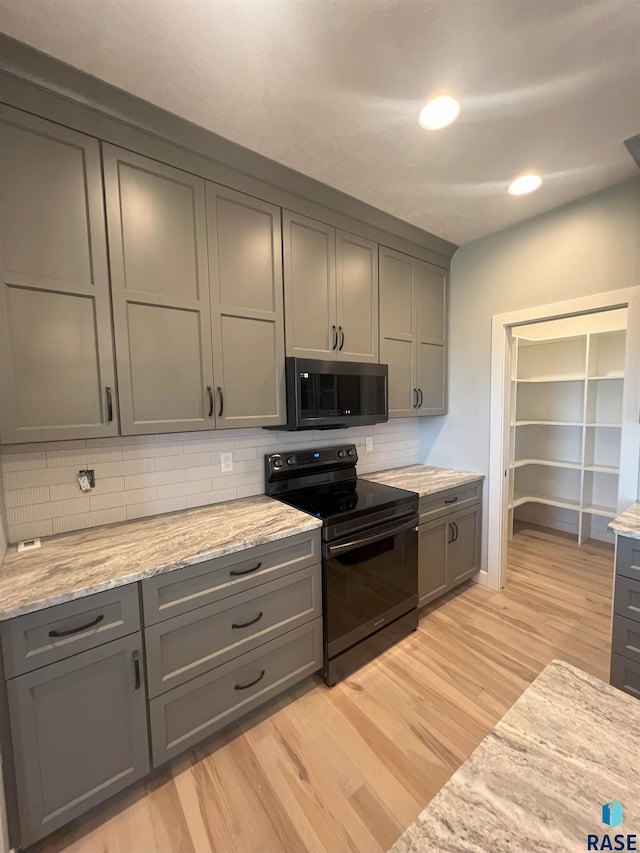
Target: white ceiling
[(333, 88)]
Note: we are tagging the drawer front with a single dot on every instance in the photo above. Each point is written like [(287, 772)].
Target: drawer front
[(189, 713), (55, 633), (626, 638), (436, 505), (191, 644), (627, 598), (628, 557), (625, 675), (185, 589)]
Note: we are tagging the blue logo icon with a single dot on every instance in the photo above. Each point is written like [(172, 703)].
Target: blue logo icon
[(612, 814)]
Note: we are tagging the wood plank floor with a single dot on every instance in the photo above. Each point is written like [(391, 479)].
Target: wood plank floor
[(348, 769)]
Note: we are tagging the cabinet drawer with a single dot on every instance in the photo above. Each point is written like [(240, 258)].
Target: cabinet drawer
[(58, 632), (626, 638), (433, 506), (628, 557), (625, 675), (186, 715), (626, 600), (191, 644), (185, 589)]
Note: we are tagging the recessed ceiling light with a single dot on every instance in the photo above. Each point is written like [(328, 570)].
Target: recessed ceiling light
[(525, 184), (439, 112)]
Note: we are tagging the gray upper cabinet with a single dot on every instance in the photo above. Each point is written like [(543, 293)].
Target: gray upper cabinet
[(431, 340), (331, 292), (245, 263), (398, 297), (357, 298), (413, 324), (79, 731), (309, 252), (157, 230), (56, 353)]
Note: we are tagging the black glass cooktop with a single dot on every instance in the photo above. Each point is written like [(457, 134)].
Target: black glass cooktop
[(344, 501)]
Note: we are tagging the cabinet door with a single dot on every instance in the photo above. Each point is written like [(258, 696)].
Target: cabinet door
[(398, 330), (463, 552), (431, 340), (79, 732), (56, 348), (357, 294), (245, 266), (309, 251), (433, 538), (160, 284)]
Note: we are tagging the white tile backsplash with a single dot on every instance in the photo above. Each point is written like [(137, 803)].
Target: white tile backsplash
[(146, 475)]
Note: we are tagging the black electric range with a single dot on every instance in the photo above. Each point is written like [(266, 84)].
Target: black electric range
[(369, 551)]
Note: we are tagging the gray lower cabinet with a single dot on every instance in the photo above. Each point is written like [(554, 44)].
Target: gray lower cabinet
[(448, 548), (182, 717), (57, 378), (186, 646), (625, 637), (331, 292), (79, 733), (413, 334)]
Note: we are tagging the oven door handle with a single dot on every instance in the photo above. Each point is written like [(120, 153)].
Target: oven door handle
[(368, 539)]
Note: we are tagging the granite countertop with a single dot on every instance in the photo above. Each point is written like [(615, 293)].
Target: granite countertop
[(73, 565), (628, 523), (538, 781), (424, 479)]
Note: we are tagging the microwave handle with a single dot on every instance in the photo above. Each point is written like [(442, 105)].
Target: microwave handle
[(371, 537)]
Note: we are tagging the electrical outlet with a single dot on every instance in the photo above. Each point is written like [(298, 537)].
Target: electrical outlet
[(226, 462), (368, 444), (87, 479)]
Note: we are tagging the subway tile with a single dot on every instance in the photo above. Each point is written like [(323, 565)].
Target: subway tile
[(213, 497), (129, 466), (243, 454), (105, 485), (127, 498), (191, 460), (24, 497), (156, 507), (73, 506), (87, 458), (44, 446), (202, 471), (248, 491), (187, 488), (30, 530), (25, 514), (23, 461), (153, 478), (89, 519)]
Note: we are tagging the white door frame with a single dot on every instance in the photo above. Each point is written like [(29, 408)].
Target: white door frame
[(501, 326)]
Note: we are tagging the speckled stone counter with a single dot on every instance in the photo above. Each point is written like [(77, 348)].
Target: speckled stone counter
[(537, 782), (73, 565), (424, 479), (628, 523)]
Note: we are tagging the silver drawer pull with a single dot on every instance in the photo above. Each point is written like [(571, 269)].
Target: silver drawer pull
[(246, 624), (251, 683)]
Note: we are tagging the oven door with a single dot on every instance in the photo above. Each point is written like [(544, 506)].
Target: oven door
[(369, 580)]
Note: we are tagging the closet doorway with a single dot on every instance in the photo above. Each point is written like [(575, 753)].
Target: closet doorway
[(565, 433)]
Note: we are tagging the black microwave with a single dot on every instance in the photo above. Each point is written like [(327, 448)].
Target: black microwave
[(333, 394)]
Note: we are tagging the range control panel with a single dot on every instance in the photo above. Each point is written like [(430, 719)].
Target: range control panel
[(324, 457)]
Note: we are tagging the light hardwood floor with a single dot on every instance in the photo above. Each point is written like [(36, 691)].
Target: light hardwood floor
[(348, 769)]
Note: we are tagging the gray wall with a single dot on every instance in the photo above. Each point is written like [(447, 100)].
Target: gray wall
[(588, 247)]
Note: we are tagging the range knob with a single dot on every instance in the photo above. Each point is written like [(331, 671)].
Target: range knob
[(277, 462), (291, 460), (352, 451), (342, 454)]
